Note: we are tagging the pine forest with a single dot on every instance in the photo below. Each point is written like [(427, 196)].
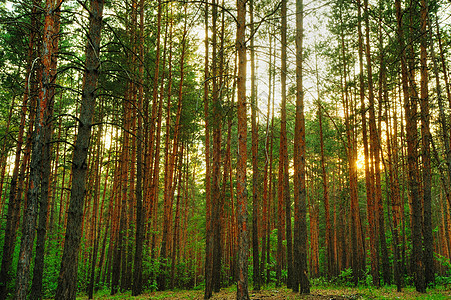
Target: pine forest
[(216, 146)]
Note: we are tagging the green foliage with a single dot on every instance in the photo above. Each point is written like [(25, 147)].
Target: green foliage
[(345, 277), (320, 282), (51, 268)]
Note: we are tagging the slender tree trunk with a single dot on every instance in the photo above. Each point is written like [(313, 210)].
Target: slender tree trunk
[(208, 201), (168, 175), (266, 185), (284, 192), (255, 171), (369, 176), (216, 168), (243, 248), (300, 282), (272, 188), (94, 222), (103, 222), (157, 116), (392, 150), (176, 235), (140, 208), (426, 155), (329, 235), (446, 179), (447, 86)]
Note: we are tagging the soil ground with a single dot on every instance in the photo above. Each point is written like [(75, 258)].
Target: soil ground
[(317, 293)]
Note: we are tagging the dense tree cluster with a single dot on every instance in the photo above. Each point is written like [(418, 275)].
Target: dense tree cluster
[(154, 145)]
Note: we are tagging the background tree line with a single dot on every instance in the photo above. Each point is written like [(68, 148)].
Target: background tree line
[(153, 145)]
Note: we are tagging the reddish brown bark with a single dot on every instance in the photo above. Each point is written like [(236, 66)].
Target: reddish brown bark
[(369, 174), (168, 175), (300, 280), (38, 270), (41, 137)]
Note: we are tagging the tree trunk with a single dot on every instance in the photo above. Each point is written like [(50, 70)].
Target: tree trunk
[(168, 175), (208, 205), (216, 167), (41, 137), (243, 248), (426, 152), (67, 280), (140, 208), (53, 12), (300, 282), (358, 257), (392, 150), (266, 185), (369, 175), (410, 107), (255, 171)]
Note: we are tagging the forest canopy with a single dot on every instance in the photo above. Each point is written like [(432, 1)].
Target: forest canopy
[(162, 145)]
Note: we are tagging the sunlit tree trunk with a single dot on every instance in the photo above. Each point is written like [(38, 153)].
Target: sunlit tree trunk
[(426, 152), (358, 256), (369, 176)]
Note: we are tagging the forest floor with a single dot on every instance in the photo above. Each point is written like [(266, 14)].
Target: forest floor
[(317, 293)]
